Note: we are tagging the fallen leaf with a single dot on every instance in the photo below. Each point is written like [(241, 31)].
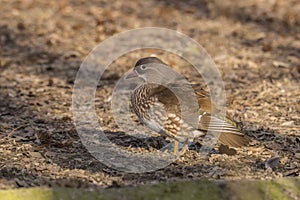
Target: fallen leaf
[(288, 123), (280, 64)]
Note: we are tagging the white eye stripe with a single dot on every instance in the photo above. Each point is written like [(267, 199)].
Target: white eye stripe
[(200, 116), (143, 67)]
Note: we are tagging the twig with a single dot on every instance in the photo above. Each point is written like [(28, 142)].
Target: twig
[(12, 132)]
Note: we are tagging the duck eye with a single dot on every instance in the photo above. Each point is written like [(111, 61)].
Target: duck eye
[(143, 67)]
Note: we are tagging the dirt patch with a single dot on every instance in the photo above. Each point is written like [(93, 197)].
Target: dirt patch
[(256, 48)]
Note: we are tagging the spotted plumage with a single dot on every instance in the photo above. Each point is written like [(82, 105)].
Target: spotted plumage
[(159, 109)]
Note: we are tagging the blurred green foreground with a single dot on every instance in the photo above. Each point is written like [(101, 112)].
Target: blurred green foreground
[(287, 188)]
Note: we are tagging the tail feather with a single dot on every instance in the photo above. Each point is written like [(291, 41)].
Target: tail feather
[(231, 135), (234, 140)]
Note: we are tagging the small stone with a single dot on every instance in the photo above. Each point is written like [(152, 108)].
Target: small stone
[(272, 163)]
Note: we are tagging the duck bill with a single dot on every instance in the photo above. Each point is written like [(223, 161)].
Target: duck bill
[(131, 75)]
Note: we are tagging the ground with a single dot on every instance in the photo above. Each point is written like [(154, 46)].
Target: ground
[(255, 44)]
